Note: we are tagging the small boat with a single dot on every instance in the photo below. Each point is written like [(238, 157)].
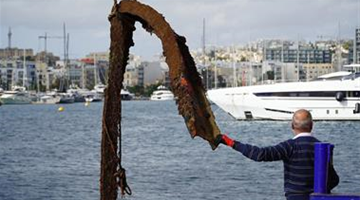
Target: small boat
[(93, 97), (99, 88), (66, 98), (50, 98), (162, 94), (126, 95), (18, 95)]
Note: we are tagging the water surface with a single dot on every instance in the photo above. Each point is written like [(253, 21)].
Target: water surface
[(45, 154)]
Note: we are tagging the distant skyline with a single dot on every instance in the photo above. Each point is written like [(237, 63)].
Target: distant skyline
[(228, 22)]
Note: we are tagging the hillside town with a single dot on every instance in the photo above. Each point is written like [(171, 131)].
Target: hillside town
[(258, 62)]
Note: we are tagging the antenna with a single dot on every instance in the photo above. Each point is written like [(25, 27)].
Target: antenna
[(358, 13), (9, 38), (65, 59), (203, 38)]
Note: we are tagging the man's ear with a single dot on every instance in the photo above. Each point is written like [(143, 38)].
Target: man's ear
[(292, 126)]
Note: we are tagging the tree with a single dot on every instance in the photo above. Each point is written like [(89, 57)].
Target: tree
[(137, 90)]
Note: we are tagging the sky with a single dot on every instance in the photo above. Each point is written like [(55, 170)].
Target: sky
[(228, 22)]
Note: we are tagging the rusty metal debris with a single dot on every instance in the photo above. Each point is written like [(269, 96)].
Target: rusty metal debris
[(185, 81)]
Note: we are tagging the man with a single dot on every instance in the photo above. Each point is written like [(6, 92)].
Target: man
[(297, 155)]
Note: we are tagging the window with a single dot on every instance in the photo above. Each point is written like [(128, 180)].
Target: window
[(298, 94)]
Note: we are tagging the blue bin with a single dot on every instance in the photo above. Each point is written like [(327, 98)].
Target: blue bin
[(323, 157)]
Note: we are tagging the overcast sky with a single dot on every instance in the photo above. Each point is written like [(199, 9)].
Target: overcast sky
[(228, 22)]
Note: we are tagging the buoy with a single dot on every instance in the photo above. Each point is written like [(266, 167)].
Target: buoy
[(61, 109), (87, 103)]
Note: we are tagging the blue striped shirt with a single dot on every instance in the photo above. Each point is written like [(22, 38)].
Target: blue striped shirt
[(298, 157)]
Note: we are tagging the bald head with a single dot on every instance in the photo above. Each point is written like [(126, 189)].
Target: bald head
[(302, 121)]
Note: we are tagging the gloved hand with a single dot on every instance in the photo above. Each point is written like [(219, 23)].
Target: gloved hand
[(224, 139)]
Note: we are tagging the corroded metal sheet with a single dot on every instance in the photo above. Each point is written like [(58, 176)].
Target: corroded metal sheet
[(185, 81)]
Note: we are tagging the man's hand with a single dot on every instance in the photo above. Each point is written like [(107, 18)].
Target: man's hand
[(224, 139)]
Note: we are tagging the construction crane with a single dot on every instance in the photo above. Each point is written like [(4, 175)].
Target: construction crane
[(65, 38), (46, 37)]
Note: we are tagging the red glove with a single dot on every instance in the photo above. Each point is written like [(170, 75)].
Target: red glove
[(224, 139), (228, 141)]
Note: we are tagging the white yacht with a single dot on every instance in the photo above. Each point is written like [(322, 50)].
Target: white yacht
[(126, 95), (49, 98), (18, 95), (325, 98), (162, 94), (99, 88), (66, 98)]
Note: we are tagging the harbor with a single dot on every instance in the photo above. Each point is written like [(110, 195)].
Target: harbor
[(107, 113), (59, 157)]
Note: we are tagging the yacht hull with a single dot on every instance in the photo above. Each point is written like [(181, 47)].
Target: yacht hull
[(5, 99), (280, 101)]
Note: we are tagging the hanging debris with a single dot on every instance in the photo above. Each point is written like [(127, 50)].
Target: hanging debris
[(185, 81)]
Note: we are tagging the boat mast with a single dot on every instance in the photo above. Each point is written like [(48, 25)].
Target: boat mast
[(297, 58), (95, 70), (355, 59), (204, 55), (24, 69), (339, 49)]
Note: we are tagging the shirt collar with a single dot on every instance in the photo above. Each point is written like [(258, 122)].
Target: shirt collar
[(303, 135)]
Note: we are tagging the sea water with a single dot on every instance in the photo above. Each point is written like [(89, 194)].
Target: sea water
[(46, 154)]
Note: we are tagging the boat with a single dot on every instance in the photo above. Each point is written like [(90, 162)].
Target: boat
[(49, 98), (325, 98), (126, 95), (66, 98), (162, 94), (78, 94), (99, 88), (99, 93), (93, 97), (18, 95)]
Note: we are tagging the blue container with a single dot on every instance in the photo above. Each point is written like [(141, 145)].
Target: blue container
[(322, 158)]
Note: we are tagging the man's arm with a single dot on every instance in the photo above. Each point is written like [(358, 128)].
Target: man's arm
[(282, 151)]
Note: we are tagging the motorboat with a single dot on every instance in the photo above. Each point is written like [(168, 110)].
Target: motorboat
[(18, 95), (93, 97), (126, 95), (49, 98), (162, 94), (326, 98), (100, 88), (66, 98)]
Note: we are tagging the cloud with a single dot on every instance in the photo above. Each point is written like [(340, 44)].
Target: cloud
[(228, 22)]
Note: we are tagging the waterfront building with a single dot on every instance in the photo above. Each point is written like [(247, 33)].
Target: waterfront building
[(15, 53), (276, 71), (304, 55), (100, 56), (153, 72), (313, 70), (13, 72)]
